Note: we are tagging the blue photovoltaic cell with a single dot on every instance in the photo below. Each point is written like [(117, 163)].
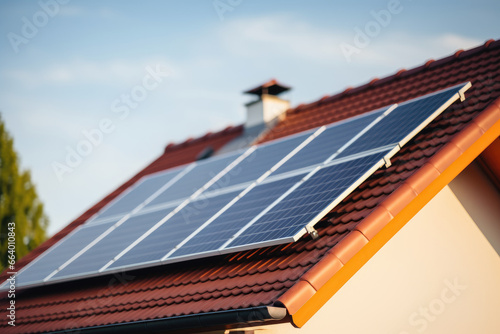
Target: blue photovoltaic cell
[(154, 247), (238, 215), (137, 194), (328, 142), (59, 254), (260, 161), (112, 244), (194, 179), (400, 122), (302, 205)]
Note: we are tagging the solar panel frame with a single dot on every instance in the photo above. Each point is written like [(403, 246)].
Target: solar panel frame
[(181, 171), (123, 219), (154, 247), (195, 195), (391, 150), (101, 228), (264, 158), (314, 134), (106, 248), (451, 95), (224, 224), (459, 95), (230, 247), (377, 114), (309, 136), (205, 178), (335, 134), (141, 206)]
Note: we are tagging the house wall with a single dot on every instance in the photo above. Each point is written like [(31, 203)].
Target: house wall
[(438, 274), (481, 199)]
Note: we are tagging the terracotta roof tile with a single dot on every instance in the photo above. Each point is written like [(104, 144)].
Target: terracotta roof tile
[(285, 273)]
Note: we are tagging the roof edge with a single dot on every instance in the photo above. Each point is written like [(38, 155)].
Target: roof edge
[(193, 321), (324, 279)]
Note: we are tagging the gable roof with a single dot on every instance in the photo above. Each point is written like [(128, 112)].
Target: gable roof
[(291, 275)]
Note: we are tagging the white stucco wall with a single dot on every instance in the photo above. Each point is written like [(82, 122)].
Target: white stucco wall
[(439, 274)]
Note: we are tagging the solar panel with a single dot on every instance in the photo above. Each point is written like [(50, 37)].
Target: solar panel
[(137, 194), (212, 237), (260, 161), (405, 121), (265, 195), (48, 262), (112, 244), (148, 249), (202, 173), (154, 246), (308, 203), (329, 142)]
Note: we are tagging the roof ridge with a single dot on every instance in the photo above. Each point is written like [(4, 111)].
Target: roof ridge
[(374, 82)]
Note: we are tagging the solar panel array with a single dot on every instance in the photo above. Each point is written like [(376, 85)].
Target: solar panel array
[(264, 195)]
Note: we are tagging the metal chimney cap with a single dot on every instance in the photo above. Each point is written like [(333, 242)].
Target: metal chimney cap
[(272, 87)]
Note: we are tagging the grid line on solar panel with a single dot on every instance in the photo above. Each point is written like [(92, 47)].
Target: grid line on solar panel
[(406, 120), (459, 94), (41, 267), (307, 203), (265, 156), (446, 101), (329, 141), (223, 226), (171, 180), (143, 190), (266, 174), (248, 185), (385, 112), (361, 133), (109, 246), (311, 136), (154, 247), (231, 200), (203, 176), (181, 206)]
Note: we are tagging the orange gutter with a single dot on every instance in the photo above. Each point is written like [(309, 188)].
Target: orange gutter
[(322, 281)]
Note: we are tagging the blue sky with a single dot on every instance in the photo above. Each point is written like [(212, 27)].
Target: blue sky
[(69, 73)]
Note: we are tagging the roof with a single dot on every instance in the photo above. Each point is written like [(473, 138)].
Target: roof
[(294, 275)]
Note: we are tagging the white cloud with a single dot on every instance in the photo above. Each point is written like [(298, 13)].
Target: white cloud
[(453, 41), (281, 35), (394, 50), (287, 37), (84, 72)]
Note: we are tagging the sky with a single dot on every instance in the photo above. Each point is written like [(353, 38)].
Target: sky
[(92, 91)]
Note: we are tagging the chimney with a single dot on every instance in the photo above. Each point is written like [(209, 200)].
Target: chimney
[(268, 105)]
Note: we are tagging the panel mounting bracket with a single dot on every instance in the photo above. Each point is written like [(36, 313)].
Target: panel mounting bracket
[(390, 154), (462, 95), (312, 232), (387, 161)]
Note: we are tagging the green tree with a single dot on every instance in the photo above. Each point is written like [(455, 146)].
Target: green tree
[(19, 203)]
